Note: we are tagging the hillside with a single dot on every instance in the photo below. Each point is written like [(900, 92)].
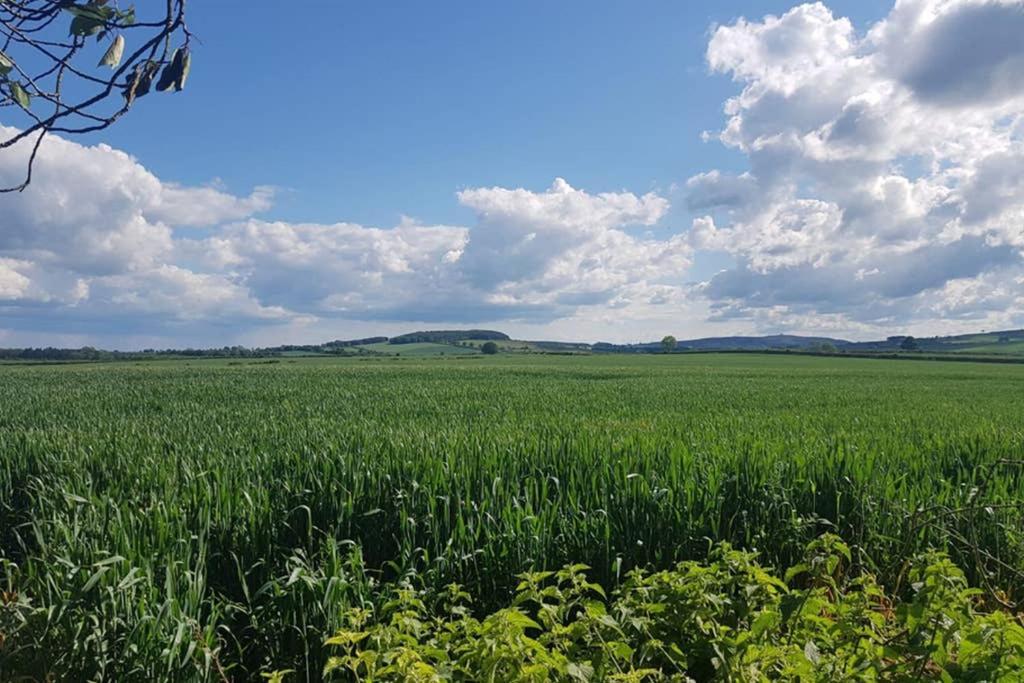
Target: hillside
[(984, 345), (448, 336), (767, 343), (1000, 343)]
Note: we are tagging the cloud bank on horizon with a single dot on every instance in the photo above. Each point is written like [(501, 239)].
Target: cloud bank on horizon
[(885, 189)]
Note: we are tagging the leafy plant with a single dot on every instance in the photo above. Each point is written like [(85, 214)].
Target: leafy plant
[(726, 619)]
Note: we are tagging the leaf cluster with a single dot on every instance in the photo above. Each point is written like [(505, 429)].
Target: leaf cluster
[(46, 72), (725, 619)]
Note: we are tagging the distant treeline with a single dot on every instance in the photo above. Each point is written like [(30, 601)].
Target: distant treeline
[(88, 353), (356, 342), (448, 336), (338, 347)]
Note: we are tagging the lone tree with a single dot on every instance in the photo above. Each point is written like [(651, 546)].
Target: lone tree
[(49, 73), (668, 344), (908, 344), (490, 348)]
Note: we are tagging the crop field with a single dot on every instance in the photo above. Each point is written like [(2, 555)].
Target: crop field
[(418, 349), (204, 520)]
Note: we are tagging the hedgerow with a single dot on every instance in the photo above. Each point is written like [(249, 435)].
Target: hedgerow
[(725, 619)]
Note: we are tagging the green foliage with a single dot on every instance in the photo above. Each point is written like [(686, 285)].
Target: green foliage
[(175, 74), (489, 348), (448, 336), (668, 344), (160, 520), (726, 619), (19, 94), (822, 347)]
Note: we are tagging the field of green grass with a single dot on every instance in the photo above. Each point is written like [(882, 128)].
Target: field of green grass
[(167, 520), (1011, 348)]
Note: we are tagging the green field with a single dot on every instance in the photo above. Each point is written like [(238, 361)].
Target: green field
[(418, 349), (159, 520), (1012, 348)]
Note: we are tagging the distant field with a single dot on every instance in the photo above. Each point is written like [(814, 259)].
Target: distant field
[(153, 513), (1013, 348)]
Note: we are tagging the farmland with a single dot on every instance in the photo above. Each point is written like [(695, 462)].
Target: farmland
[(170, 519)]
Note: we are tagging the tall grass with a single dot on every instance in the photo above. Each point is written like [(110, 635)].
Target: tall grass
[(206, 519)]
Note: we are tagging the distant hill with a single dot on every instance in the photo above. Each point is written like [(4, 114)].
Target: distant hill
[(768, 343), (995, 346), (448, 336), (344, 343), (1001, 343)]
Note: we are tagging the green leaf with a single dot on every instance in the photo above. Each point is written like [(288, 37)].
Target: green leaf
[(113, 559), (112, 57), (87, 24), (6, 64), (795, 571), (20, 95), (94, 579), (170, 74), (142, 80)]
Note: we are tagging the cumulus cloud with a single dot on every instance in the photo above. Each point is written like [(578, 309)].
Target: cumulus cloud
[(883, 189), (884, 184), (961, 54), (99, 240), (206, 206)]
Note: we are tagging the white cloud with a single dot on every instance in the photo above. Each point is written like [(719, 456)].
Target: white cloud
[(564, 247), (205, 206), (884, 189), (884, 184), (13, 284), (98, 241)]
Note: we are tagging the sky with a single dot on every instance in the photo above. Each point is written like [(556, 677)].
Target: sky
[(580, 170)]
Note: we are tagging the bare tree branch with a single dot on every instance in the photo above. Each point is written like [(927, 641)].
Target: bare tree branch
[(43, 61)]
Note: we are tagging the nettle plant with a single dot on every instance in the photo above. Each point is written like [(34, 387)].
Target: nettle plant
[(726, 619)]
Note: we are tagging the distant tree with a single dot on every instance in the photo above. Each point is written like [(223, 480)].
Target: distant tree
[(668, 344), (489, 348), (822, 347), (1004, 339), (909, 344)]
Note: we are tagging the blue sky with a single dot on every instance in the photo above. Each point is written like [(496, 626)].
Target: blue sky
[(365, 111), (569, 170)]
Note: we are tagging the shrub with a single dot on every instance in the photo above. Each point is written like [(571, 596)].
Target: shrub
[(726, 619), (490, 348)]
